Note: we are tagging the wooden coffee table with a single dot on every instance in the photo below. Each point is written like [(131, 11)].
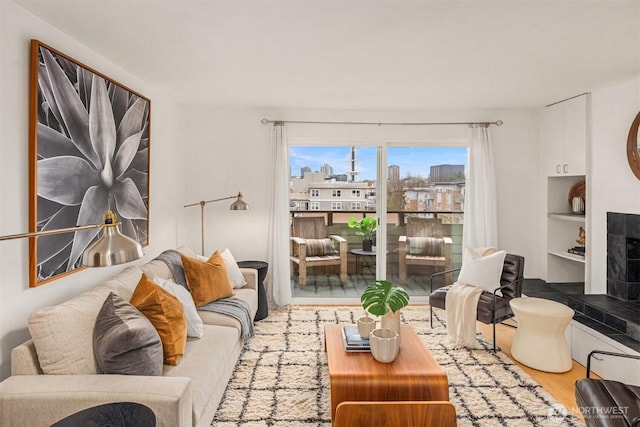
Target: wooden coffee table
[(414, 375)]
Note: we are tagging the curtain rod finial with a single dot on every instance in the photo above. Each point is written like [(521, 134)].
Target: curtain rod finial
[(264, 121), (499, 123)]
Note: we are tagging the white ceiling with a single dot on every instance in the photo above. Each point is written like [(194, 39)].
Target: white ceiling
[(403, 55)]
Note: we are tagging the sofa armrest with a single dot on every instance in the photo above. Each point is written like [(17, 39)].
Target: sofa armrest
[(41, 400), (251, 277)]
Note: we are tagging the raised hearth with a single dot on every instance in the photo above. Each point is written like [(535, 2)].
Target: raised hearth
[(612, 317), (623, 317)]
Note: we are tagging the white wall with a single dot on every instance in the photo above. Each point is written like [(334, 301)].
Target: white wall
[(17, 300), (614, 187), (229, 150)]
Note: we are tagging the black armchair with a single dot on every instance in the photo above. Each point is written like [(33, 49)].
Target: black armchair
[(606, 402), (493, 307)]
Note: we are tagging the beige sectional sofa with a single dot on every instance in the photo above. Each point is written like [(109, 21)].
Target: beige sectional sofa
[(185, 395)]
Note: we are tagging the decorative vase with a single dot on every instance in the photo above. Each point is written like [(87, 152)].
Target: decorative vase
[(391, 320), (577, 206), (385, 345), (367, 245)]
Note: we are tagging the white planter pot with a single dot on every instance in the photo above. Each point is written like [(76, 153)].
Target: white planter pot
[(391, 321), (385, 345)]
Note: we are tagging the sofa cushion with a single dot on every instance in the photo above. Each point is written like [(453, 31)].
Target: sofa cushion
[(63, 334), (166, 314), (209, 362), (208, 281), (194, 322), (212, 318), (124, 340), (157, 268)]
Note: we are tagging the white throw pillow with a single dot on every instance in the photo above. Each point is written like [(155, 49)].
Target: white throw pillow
[(195, 328), (235, 275), (482, 271)]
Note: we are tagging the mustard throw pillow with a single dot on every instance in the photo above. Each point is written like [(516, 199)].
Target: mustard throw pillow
[(166, 314), (208, 281)]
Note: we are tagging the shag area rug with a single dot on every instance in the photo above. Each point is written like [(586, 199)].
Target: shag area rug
[(282, 380)]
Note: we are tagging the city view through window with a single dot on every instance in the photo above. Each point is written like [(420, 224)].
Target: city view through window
[(424, 189)]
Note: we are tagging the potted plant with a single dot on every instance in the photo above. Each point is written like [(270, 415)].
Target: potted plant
[(366, 227), (383, 299)]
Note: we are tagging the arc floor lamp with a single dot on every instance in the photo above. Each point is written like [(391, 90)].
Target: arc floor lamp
[(238, 205), (112, 248)]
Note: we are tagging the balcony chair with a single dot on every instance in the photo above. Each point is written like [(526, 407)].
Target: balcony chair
[(393, 414), (311, 247), (424, 244), (619, 403), (493, 308)]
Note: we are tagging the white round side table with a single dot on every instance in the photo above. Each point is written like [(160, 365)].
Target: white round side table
[(539, 341)]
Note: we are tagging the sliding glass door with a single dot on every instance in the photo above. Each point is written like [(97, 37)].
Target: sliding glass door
[(425, 190), (413, 197)]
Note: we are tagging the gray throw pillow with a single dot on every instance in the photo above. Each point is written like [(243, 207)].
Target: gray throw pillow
[(124, 340)]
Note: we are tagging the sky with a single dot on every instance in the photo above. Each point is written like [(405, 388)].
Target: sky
[(412, 160)]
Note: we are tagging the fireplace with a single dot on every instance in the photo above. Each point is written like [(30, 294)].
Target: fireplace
[(623, 256)]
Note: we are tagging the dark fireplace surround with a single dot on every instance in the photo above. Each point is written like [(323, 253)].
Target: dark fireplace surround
[(623, 256)]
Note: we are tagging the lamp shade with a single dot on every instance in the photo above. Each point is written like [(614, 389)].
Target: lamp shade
[(112, 248), (239, 204)]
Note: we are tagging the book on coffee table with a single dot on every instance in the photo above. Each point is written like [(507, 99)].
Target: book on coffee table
[(352, 339)]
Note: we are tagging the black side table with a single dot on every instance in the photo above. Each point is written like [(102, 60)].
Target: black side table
[(262, 267)]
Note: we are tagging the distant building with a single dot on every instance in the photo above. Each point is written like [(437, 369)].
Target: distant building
[(446, 173), (393, 172), (328, 170), (343, 177), (304, 170), (444, 192), (440, 197), (313, 192)]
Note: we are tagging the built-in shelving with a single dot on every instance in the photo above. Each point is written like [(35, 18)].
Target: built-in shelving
[(567, 217), (569, 256), (564, 138)]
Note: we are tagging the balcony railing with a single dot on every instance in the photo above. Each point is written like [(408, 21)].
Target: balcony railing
[(393, 216)]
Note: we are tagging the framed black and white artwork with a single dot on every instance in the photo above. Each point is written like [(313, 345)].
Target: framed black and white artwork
[(88, 153)]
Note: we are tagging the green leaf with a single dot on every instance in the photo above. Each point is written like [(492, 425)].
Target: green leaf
[(365, 227), (382, 296)]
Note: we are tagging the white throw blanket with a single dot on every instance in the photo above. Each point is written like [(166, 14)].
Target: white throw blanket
[(461, 305)]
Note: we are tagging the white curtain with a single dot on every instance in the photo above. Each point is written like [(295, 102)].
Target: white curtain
[(480, 206), (278, 283)]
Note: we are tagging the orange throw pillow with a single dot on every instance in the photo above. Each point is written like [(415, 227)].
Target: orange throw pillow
[(166, 314), (208, 280)]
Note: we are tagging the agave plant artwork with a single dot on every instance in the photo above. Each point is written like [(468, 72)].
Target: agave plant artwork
[(92, 155)]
